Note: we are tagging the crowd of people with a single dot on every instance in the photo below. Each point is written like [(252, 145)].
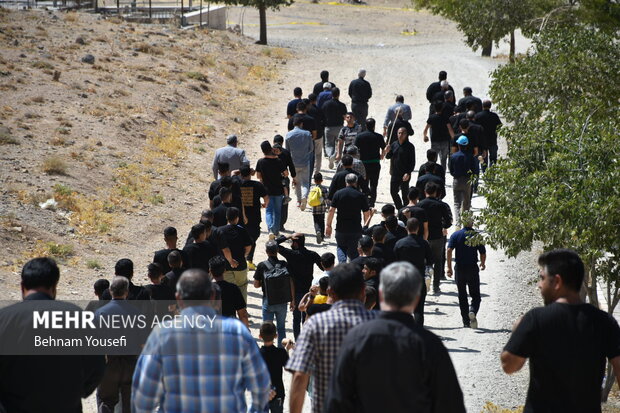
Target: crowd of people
[(359, 342)]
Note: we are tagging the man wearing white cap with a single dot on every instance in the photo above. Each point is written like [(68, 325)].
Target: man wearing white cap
[(360, 92), (462, 166), (231, 155)]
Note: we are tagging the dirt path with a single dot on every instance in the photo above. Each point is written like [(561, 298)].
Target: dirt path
[(343, 39)]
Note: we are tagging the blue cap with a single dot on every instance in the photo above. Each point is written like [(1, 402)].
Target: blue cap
[(463, 140)]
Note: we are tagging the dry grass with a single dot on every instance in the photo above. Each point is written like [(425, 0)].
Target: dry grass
[(197, 76), (39, 64), (262, 73), (276, 53), (493, 408), (54, 165), (59, 252), (7, 139), (71, 17), (149, 49)]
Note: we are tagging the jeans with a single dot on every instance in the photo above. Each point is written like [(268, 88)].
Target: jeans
[(346, 245), (360, 110), (331, 133), (276, 405), (372, 174), (443, 151), (437, 248), (418, 312), (303, 182), (254, 232), (318, 155), (273, 213), (298, 316), (279, 312), (319, 223), (467, 277), (396, 186), (461, 189)]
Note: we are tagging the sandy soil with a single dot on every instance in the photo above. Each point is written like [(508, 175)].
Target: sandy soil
[(339, 38)]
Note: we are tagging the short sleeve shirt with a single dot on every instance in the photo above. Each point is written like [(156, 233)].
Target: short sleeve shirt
[(350, 203), (439, 128), (251, 194), (232, 299), (271, 170), (237, 239)]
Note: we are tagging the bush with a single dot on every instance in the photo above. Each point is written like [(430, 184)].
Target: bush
[(54, 165)]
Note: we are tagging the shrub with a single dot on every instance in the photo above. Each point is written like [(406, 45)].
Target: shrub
[(54, 165)]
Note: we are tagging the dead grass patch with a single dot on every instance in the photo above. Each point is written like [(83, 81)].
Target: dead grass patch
[(54, 165), (261, 72)]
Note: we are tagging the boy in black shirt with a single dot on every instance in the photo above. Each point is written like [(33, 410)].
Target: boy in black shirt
[(161, 256), (275, 358), (240, 244), (200, 252)]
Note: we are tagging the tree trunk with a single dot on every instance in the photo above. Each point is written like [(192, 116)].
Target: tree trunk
[(262, 17), (512, 46), (609, 382), (487, 48)]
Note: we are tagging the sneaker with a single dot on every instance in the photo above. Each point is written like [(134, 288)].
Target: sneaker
[(286, 200), (331, 162), (251, 266), (272, 236), (302, 204), (319, 237), (427, 280), (436, 291), (473, 321)]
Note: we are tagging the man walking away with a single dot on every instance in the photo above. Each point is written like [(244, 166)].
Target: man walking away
[(421, 377), (251, 194), (318, 86), (325, 95), (371, 145), (467, 271), (462, 167), (360, 92), (398, 107), (441, 133), (231, 155), (240, 244), (181, 368), (490, 122), (299, 142), (269, 171), (161, 256), (334, 112), (469, 98), (233, 304), (567, 341), (291, 107), (322, 335), (435, 87), (402, 155)]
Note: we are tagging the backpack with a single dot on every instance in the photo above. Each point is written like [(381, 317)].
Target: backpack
[(277, 284), (315, 197)]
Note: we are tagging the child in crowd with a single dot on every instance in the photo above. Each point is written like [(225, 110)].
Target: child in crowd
[(275, 358), (321, 297), (100, 286), (318, 211)]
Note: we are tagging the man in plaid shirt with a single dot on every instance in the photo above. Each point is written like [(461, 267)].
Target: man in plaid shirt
[(201, 363), (318, 344)]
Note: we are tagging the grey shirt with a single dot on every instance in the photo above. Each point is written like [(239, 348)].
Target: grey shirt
[(391, 113), (235, 157)]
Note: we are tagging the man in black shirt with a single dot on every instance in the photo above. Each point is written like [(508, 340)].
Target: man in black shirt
[(291, 107), (219, 212), (414, 211), (402, 155), (371, 145), (431, 157), (350, 204), (43, 383), (300, 264), (233, 304), (308, 122), (202, 250), (161, 256), (175, 261), (469, 98), (124, 268), (421, 377), (339, 179), (159, 289), (567, 341), (226, 181), (285, 156), (441, 132), (251, 194), (490, 122), (270, 170), (439, 220), (414, 249), (318, 87), (394, 233), (334, 112), (240, 244), (360, 92), (432, 175), (435, 87), (472, 146)]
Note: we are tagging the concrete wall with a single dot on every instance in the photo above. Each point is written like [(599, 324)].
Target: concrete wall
[(215, 16)]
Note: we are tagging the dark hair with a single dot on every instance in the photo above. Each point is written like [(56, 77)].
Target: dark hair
[(232, 213), (438, 106), (278, 139), (40, 272), (347, 160), (443, 75), (101, 285), (175, 259), (565, 263), (297, 91), (223, 167), (194, 284), (197, 230), (271, 247), (324, 283), (413, 225), (431, 155), (268, 331), (300, 240), (370, 124), (351, 114), (207, 213), (324, 75), (371, 297), (365, 243), (388, 209), (170, 232), (400, 98), (379, 233), (464, 124), (225, 193), (226, 182), (154, 270), (374, 264), (298, 120), (301, 106), (486, 104), (391, 223), (265, 146), (414, 193), (467, 90), (245, 170), (431, 188), (346, 281), (312, 97), (124, 268), (335, 92), (327, 260), (217, 265), (318, 176)]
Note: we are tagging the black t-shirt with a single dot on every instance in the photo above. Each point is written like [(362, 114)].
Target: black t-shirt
[(415, 212), (161, 291), (334, 111), (232, 299), (473, 143), (489, 122), (567, 345), (173, 277), (136, 292), (439, 216), (251, 194), (161, 258), (370, 145), (350, 203), (271, 171), (275, 359), (214, 191), (441, 172), (219, 214), (237, 239), (259, 274), (309, 123), (439, 128), (198, 255)]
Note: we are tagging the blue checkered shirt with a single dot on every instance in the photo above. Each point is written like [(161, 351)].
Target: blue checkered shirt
[(319, 342), (193, 369)]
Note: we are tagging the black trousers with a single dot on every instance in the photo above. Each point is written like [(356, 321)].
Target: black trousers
[(396, 186), (418, 312), (284, 214), (372, 174), (468, 278), (438, 252), (319, 223), (116, 379), (253, 229)]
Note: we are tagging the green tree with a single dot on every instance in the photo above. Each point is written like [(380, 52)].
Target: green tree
[(559, 184), (262, 6)]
